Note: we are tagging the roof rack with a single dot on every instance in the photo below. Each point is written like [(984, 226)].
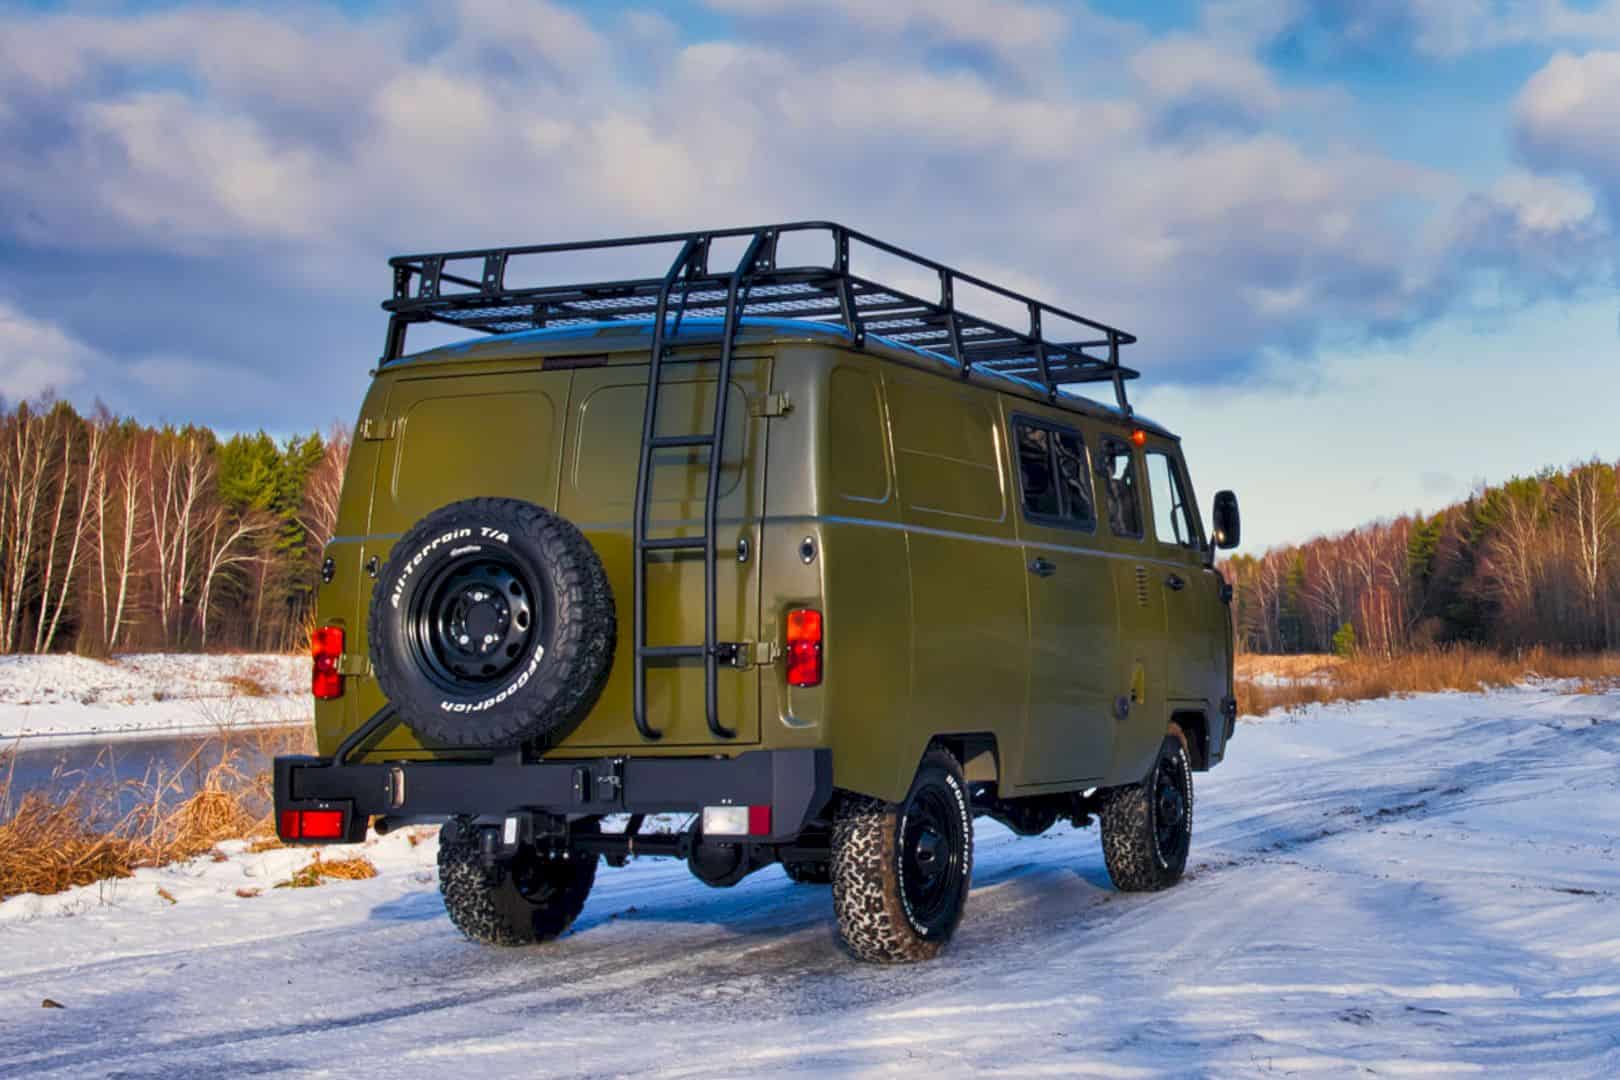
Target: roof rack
[(470, 289)]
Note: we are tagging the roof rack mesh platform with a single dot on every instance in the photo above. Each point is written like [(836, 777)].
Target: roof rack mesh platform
[(847, 279)]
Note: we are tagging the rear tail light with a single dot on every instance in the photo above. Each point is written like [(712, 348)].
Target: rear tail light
[(326, 649), (736, 821), (804, 647), (312, 825)]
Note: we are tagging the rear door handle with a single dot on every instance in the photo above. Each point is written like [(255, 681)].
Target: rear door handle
[(1042, 568), (1176, 582)]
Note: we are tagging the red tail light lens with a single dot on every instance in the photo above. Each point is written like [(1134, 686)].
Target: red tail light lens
[(326, 648), (311, 825), (804, 647)]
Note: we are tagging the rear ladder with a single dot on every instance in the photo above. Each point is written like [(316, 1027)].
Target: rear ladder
[(690, 270)]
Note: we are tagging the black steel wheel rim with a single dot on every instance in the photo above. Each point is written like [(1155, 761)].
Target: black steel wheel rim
[(1170, 807), (931, 847), (474, 621)]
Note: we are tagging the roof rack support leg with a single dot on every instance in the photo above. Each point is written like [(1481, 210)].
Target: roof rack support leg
[(1040, 351), (846, 297), (394, 343), (1118, 375)]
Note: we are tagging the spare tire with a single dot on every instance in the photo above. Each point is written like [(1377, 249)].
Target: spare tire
[(492, 623)]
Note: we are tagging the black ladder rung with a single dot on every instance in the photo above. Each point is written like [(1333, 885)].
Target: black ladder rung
[(673, 652), (664, 442), (675, 543)]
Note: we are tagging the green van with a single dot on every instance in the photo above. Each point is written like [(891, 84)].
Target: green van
[(799, 549)]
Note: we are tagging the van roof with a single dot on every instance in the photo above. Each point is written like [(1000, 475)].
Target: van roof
[(633, 335)]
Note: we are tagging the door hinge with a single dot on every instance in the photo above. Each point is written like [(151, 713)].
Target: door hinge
[(375, 430), (771, 405), (746, 655), (351, 664)]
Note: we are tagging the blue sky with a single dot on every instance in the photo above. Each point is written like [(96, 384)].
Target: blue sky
[(1369, 246)]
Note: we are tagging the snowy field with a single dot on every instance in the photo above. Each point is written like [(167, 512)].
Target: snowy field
[(75, 699), (1398, 888)]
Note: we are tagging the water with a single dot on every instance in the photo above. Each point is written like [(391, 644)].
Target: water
[(179, 762)]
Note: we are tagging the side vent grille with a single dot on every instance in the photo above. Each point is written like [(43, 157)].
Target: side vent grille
[(1142, 586)]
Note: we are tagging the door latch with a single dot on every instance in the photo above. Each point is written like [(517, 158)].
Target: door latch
[(1042, 567)]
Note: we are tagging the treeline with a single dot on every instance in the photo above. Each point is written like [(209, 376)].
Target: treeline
[(119, 536), (1535, 561)]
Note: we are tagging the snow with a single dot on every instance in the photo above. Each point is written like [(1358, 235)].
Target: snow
[(1426, 886), (66, 699)]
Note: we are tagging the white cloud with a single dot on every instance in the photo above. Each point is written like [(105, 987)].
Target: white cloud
[(1565, 116), (1005, 26), (1188, 71), (37, 357)]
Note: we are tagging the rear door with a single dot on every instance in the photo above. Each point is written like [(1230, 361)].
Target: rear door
[(597, 493), (443, 437)]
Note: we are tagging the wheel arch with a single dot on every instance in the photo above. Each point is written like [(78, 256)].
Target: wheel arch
[(1194, 723)]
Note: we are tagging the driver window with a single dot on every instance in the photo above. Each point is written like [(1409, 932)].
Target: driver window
[(1116, 468)]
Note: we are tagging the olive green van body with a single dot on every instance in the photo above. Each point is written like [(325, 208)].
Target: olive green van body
[(876, 485)]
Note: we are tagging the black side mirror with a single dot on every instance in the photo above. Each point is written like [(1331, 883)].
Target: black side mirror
[(1228, 522)]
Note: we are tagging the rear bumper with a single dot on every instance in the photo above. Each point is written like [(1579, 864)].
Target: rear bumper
[(795, 784)]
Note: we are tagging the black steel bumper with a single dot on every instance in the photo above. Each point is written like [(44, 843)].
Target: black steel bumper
[(795, 784)]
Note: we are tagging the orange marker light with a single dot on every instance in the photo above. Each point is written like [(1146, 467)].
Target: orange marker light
[(1139, 437)]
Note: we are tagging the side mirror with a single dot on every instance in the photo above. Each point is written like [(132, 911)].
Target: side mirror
[(1228, 522)]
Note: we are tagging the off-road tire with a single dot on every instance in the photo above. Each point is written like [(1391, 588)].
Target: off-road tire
[(543, 686), (489, 907), (1137, 859), (877, 921), (809, 873)]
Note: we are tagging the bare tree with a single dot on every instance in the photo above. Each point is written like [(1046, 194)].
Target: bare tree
[(95, 445), (221, 539)]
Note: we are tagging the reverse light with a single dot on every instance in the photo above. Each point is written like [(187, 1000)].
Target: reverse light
[(311, 825), (736, 821), (804, 647), (326, 648)]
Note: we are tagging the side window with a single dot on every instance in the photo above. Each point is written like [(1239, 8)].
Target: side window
[(1116, 470), (855, 451), (1053, 475), (1172, 521), (1075, 479), (1035, 471)]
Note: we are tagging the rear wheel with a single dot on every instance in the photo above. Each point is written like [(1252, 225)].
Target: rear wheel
[(901, 871), (1147, 827), (527, 900)]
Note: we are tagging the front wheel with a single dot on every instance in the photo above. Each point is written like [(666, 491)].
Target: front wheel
[(1147, 827), (901, 871)]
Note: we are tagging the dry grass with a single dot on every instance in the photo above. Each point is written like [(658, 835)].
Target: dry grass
[(1288, 682), (246, 685), (76, 832), (319, 871)]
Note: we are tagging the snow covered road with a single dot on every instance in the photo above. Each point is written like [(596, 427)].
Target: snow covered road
[(1391, 888)]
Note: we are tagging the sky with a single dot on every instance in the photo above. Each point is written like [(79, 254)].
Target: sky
[(1369, 247)]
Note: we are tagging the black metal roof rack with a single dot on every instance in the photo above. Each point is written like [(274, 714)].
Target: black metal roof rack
[(1053, 347)]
